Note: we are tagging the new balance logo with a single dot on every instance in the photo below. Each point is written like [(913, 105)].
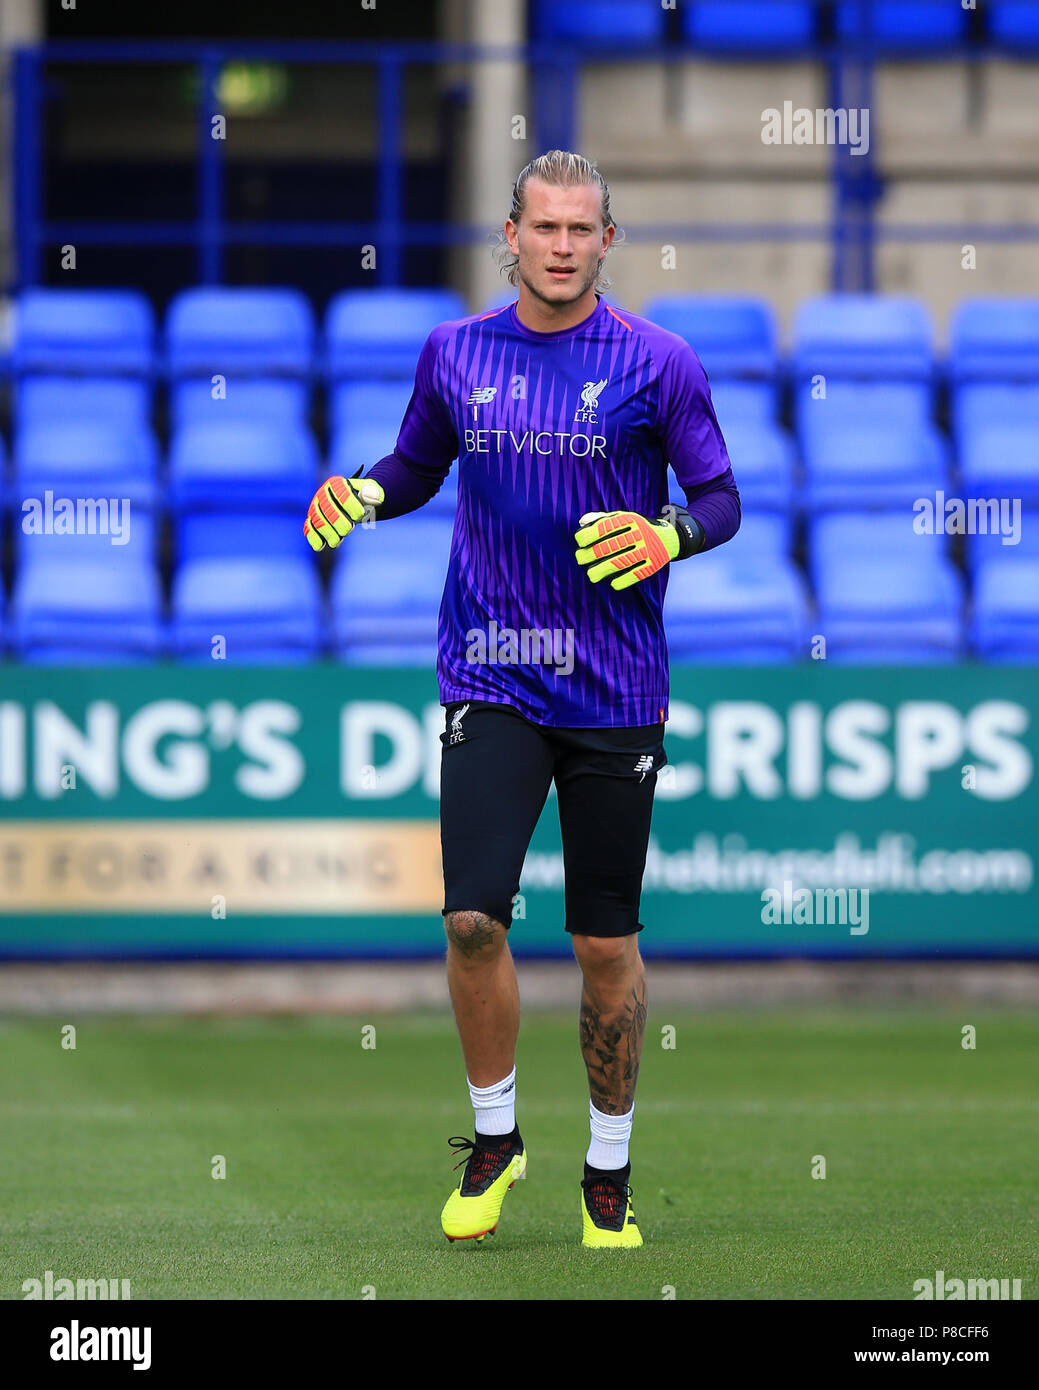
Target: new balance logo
[(482, 395), (644, 765)]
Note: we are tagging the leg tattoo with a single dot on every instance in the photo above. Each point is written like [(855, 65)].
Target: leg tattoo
[(471, 931), (611, 1041)]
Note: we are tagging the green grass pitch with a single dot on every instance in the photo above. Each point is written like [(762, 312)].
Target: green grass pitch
[(338, 1164)]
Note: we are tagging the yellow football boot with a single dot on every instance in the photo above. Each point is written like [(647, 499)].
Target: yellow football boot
[(493, 1165), (608, 1219)]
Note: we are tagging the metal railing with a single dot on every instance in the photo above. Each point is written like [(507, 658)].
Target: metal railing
[(555, 68)]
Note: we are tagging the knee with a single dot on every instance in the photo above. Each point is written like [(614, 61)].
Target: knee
[(474, 934), (604, 957)]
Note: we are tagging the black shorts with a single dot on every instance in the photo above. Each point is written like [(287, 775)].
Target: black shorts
[(496, 771)]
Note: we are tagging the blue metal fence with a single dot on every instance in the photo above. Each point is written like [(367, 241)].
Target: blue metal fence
[(852, 230)]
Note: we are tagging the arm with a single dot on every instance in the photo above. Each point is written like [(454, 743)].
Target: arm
[(402, 481), (626, 547), (407, 485), (426, 446), (714, 507)]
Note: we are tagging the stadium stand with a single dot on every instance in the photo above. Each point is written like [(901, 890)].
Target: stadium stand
[(274, 465), (75, 458), (903, 25), (379, 333), (744, 603), (264, 332), (863, 336), (884, 592), (87, 611), (857, 464), (742, 26), (762, 457), (268, 610), (1005, 621), (734, 336), (1014, 23), (385, 602), (867, 444), (624, 24), (276, 399), (994, 340), (93, 332), (123, 401)]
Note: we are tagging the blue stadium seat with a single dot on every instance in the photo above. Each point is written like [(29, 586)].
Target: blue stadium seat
[(378, 404), (905, 403), (884, 593), (278, 399), (873, 612), (762, 457), (87, 458), (87, 612), (995, 340), (386, 592), (215, 535), (837, 537), (898, 25), (779, 26), (733, 615), (1001, 460), (269, 611), (241, 464), (981, 547), (743, 602), (978, 404), (354, 451), (392, 653), (854, 465), (1014, 24), (125, 401), (137, 540), (1005, 622), (734, 336), (763, 533), (875, 337), (379, 333), (230, 329), (626, 24), (99, 332), (745, 402)]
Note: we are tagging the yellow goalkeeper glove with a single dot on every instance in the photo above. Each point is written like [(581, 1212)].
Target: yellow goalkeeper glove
[(631, 548), (336, 508)]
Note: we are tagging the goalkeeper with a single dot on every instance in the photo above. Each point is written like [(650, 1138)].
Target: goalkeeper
[(564, 414)]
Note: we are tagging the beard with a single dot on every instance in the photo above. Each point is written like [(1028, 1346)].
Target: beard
[(567, 292)]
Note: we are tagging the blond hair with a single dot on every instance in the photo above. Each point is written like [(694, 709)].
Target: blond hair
[(563, 169)]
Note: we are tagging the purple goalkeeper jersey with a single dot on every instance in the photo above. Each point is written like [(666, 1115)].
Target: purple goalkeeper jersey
[(546, 427)]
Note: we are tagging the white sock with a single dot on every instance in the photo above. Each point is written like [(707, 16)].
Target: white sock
[(495, 1106), (610, 1135)]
